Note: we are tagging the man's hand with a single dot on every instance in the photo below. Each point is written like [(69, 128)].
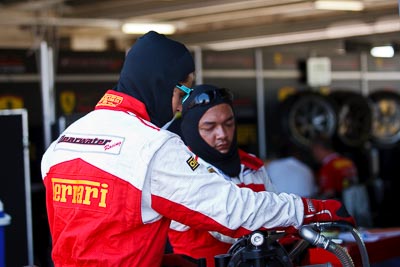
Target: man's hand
[(329, 210)]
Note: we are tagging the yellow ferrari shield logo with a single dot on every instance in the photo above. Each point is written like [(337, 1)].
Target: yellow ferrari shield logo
[(67, 102)]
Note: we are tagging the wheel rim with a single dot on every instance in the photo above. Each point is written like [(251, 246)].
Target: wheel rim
[(311, 116), (354, 118), (386, 120)]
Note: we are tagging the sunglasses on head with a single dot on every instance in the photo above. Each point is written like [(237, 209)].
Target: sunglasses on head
[(185, 89), (208, 97)]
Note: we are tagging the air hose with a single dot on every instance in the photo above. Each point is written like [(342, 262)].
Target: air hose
[(308, 233)]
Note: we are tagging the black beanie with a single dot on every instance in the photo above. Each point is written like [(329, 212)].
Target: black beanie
[(152, 68), (229, 162)]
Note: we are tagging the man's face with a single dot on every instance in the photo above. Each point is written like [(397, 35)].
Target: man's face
[(178, 94), (217, 127)]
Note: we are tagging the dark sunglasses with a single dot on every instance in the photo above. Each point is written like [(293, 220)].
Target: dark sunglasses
[(208, 97)]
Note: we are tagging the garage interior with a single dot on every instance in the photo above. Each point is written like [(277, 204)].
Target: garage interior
[(58, 57)]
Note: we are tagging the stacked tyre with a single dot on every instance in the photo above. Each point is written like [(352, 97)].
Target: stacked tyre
[(348, 117)]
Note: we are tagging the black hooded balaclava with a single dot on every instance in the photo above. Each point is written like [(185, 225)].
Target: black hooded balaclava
[(229, 162), (152, 68)]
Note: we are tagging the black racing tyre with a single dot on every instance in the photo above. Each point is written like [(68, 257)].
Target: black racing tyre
[(354, 118), (306, 115), (385, 132)]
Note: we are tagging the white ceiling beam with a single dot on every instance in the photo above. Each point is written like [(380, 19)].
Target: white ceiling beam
[(37, 5), (12, 17), (342, 30)]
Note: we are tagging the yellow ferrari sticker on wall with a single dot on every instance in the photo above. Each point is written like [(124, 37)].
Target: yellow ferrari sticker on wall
[(11, 102)]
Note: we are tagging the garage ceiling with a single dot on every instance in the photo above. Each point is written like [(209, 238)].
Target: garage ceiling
[(202, 23)]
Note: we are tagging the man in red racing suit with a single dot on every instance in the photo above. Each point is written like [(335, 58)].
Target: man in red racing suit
[(114, 179), (336, 172)]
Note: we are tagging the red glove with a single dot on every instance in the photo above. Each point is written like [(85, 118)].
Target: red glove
[(329, 210)]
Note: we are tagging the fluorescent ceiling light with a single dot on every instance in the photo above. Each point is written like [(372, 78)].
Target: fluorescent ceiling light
[(382, 51), (339, 5), (142, 28), (328, 33)]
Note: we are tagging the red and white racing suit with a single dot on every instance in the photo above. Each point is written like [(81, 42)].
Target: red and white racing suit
[(114, 181), (336, 174), (203, 244)]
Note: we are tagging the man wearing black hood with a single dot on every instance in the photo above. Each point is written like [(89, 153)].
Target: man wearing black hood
[(114, 179), (208, 128)]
